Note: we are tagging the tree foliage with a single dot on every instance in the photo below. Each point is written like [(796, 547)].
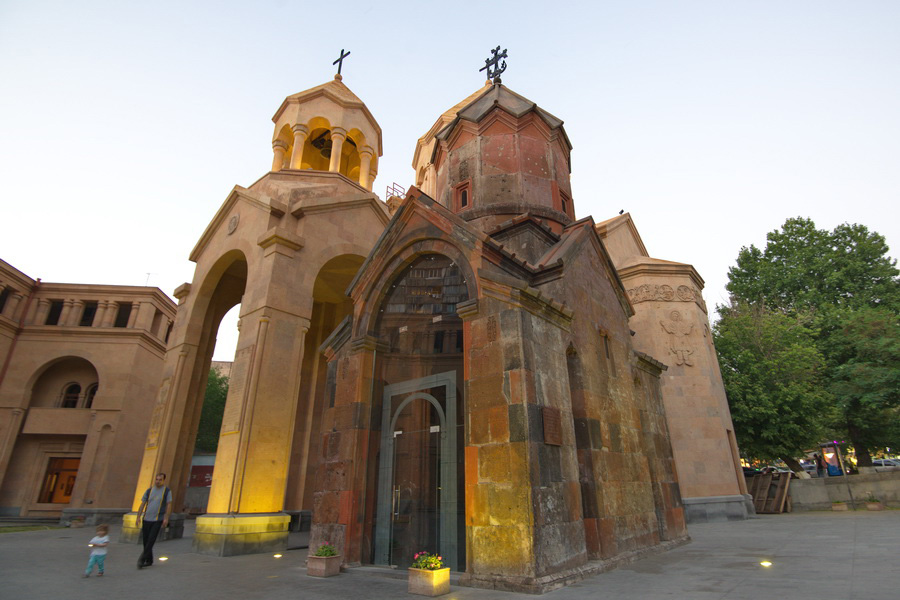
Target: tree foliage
[(213, 409), (772, 371), (804, 268), (845, 286), (865, 380)]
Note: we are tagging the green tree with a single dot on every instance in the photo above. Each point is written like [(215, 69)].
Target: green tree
[(804, 268), (211, 415), (772, 371), (865, 365), (846, 282)]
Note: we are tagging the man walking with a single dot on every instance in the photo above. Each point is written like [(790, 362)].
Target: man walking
[(157, 501)]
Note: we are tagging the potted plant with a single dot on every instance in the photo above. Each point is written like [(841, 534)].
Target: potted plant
[(839, 505), (873, 503), (324, 562), (428, 576)]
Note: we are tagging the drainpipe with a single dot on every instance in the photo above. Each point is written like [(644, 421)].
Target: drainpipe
[(12, 346)]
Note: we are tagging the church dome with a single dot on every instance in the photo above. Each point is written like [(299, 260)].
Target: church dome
[(327, 128), (497, 155)]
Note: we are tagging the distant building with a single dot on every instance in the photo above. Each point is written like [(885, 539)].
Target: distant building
[(79, 372)]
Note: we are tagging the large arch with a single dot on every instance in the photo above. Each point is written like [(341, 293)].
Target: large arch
[(50, 382), (220, 290), (330, 306), (378, 287), (417, 398)]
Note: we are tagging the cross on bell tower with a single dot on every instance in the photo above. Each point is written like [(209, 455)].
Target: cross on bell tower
[(340, 62)]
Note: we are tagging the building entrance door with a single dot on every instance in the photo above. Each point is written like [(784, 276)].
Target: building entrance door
[(59, 480), (417, 473)]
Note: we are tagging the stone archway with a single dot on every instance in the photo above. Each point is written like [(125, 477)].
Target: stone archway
[(330, 306)]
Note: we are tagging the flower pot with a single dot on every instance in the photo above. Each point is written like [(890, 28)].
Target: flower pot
[(323, 566), (840, 506), (874, 506), (429, 583)]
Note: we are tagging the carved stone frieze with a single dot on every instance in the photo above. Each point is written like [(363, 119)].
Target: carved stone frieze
[(665, 293)]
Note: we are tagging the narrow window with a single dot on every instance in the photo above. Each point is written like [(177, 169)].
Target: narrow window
[(438, 342), (331, 383), (462, 195), (87, 315), (70, 396), (56, 307), (564, 202), (4, 296), (89, 396), (123, 315)]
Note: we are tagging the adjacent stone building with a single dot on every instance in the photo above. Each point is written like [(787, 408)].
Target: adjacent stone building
[(79, 368)]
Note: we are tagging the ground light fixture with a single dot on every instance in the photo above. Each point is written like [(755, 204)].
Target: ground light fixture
[(766, 563), (163, 558), (276, 555)]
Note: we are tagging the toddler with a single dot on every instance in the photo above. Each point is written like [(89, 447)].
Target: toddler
[(98, 546)]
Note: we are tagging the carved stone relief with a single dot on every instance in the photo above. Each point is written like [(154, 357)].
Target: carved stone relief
[(679, 338)]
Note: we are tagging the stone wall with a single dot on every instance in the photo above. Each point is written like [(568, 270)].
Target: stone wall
[(819, 494)]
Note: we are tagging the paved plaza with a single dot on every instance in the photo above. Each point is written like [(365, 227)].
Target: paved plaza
[(818, 555)]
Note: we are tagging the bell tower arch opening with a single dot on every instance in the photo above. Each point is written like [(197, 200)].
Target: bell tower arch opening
[(327, 128), (220, 293), (330, 306)]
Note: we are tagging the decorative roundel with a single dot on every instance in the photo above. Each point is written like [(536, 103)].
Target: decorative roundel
[(233, 223)]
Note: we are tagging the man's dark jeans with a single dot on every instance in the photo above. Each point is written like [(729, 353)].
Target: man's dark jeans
[(149, 531)]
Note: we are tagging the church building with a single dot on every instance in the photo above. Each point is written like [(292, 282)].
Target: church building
[(469, 370)]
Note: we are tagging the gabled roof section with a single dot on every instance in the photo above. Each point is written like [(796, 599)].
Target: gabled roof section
[(574, 237), (620, 234), (500, 96), (237, 194)]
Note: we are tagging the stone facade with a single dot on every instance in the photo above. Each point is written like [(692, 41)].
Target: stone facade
[(671, 323), (80, 369), (463, 370), (564, 460)]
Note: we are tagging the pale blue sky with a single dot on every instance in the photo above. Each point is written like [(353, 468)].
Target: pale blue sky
[(124, 125)]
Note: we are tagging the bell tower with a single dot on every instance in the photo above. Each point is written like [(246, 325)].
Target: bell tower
[(327, 128)]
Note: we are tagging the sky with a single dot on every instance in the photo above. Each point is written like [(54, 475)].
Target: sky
[(124, 125)]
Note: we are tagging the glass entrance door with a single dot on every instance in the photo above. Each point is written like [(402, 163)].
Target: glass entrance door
[(59, 480), (417, 479)]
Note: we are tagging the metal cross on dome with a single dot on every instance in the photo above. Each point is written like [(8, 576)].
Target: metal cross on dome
[(340, 61), (493, 66)]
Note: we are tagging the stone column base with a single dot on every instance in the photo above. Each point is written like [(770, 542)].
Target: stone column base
[(715, 509), (232, 535), (131, 531)]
